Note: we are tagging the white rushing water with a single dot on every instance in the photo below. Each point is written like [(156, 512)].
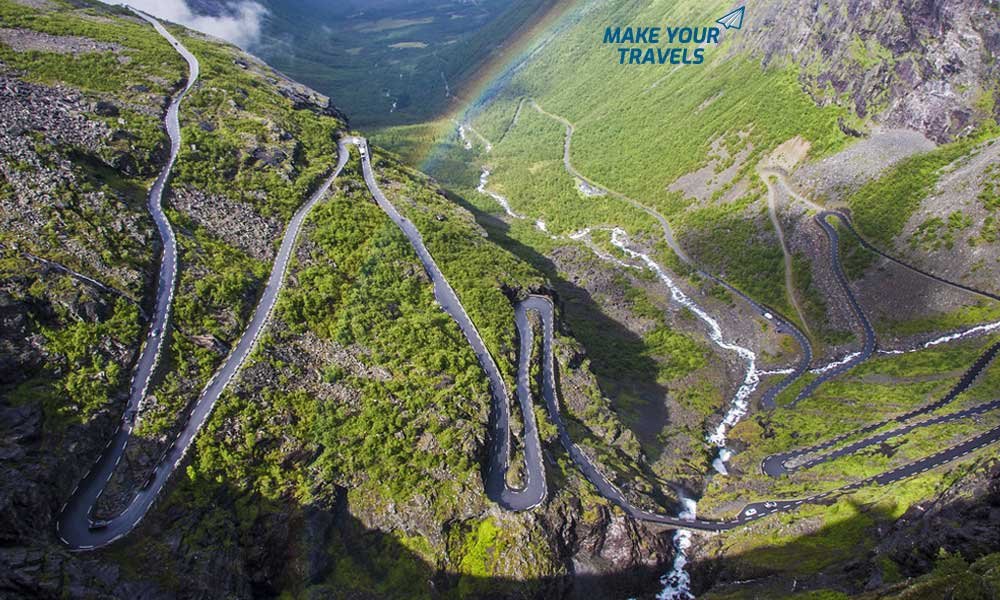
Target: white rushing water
[(951, 337), (677, 582), (481, 188), (763, 373), (835, 364), (739, 405), (466, 142), (957, 336)]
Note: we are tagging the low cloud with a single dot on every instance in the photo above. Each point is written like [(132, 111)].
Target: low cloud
[(239, 22)]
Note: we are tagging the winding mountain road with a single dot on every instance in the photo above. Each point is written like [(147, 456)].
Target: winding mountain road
[(542, 305), (75, 526), (777, 464), (74, 522), (848, 224), (535, 491), (781, 324), (78, 530), (868, 332), (535, 488)]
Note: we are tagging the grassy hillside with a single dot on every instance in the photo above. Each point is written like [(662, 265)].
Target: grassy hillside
[(362, 416), (686, 141)]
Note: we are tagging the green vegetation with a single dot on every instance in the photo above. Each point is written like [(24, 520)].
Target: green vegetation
[(674, 354), (82, 331), (813, 302), (989, 195), (869, 53), (495, 121), (472, 264), (975, 314), (93, 219), (934, 232), (479, 549), (640, 138), (86, 210), (91, 379), (882, 207), (150, 59), (952, 577), (990, 231), (217, 290), (235, 114), (529, 172), (726, 238), (377, 440)]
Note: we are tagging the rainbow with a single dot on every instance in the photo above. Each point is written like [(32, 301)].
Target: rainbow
[(484, 85)]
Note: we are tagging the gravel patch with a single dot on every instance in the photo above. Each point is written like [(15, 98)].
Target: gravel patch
[(834, 177), (805, 237), (889, 293), (26, 40), (36, 4), (969, 260), (236, 223), (701, 184)]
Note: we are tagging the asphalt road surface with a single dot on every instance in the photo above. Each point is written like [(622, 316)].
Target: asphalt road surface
[(754, 510), (534, 489), (868, 332), (781, 324), (77, 529), (74, 521), (542, 305), (75, 526), (869, 246), (777, 464)]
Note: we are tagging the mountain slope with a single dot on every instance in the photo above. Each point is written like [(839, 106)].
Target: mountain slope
[(808, 103), (671, 214), (352, 444)]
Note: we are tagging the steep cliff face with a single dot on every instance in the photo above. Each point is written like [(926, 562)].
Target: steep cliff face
[(928, 65)]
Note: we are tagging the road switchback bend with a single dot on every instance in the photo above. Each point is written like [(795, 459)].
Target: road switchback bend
[(74, 525)]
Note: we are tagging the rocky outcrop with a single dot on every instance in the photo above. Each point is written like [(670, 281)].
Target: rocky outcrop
[(40, 128), (927, 65), (236, 223), (964, 520)]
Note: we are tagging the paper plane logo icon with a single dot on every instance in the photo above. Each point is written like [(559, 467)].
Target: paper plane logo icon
[(734, 19)]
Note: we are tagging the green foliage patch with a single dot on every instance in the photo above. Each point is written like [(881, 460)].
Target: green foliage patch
[(148, 58)]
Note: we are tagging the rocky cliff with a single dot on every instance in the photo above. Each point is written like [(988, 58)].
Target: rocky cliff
[(927, 65)]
